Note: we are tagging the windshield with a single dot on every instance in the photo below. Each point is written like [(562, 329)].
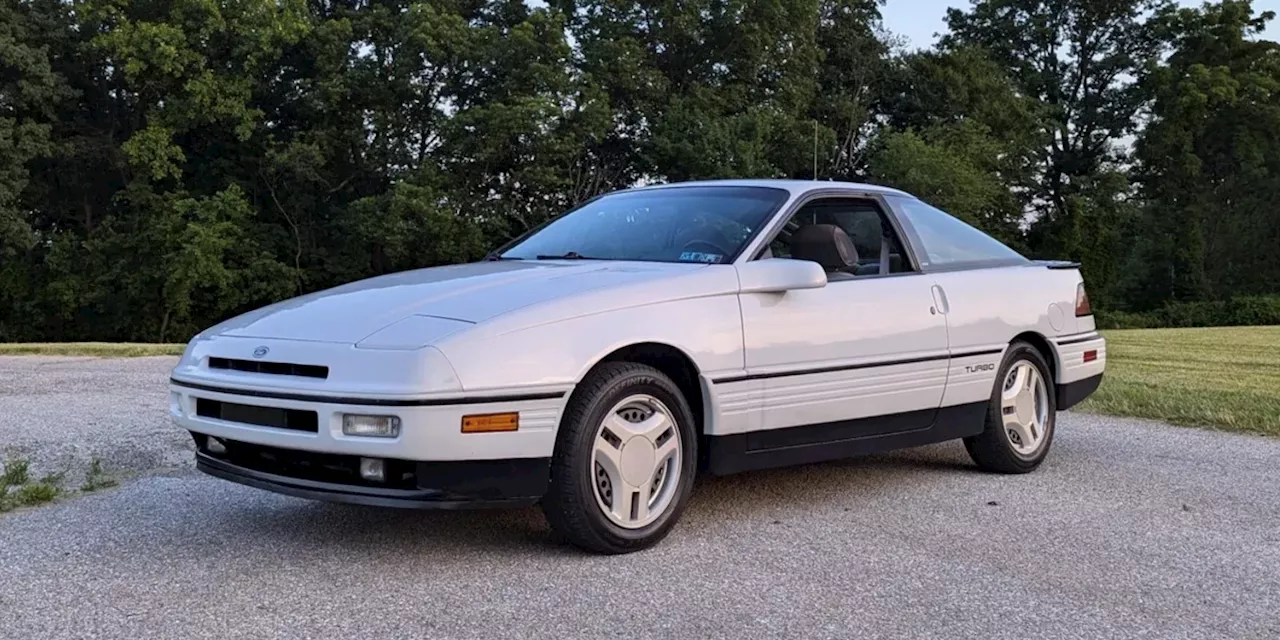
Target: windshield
[(680, 224)]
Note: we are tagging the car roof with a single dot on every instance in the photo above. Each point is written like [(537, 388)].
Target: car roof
[(794, 187)]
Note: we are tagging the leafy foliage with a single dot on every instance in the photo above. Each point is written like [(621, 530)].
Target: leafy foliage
[(17, 489), (165, 164), (1210, 159), (1234, 312), (1074, 58)]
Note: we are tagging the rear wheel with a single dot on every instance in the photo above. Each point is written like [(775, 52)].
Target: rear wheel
[(1021, 415), (624, 461)]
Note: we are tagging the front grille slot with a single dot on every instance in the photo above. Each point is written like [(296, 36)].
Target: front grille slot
[(309, 465), (270, 368), (293, 419)]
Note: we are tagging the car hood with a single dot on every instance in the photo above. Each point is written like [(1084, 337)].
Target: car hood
[(456, 295)]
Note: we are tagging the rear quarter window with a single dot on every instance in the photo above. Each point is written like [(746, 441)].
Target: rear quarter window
[(947, 241)]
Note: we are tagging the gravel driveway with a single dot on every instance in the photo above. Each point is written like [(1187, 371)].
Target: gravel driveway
[(61, 412), (1129, 530)]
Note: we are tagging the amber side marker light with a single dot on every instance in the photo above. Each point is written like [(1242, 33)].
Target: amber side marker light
[(491, 422)]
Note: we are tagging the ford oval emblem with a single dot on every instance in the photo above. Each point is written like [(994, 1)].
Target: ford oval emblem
[(260, 351)]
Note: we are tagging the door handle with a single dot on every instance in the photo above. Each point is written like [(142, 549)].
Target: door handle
[(940, 300)]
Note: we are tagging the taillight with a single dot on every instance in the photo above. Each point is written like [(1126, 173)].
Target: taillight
[(1082, 302)]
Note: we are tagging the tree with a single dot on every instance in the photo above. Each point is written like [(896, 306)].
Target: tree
[(960, 135), (31, 92), (939, 166), (1209, 161), (854, 71), (717, 90), (165, 164), (1077, 59)]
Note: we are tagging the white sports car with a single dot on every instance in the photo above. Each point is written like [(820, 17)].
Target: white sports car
[(595, 364)]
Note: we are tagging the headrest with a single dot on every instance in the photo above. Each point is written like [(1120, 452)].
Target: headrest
[(825, 244)]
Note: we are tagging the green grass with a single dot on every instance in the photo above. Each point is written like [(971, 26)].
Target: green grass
[(17, 489), (16, 472), (1226, 378), (29, 495), (99, 349), (95, 478)]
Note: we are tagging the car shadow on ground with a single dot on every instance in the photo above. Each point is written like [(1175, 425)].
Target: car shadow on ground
[(753, 497)]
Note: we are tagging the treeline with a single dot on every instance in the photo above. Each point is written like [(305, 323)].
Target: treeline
[(167, 163)]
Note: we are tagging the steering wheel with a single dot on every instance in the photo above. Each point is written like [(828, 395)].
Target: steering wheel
[(703, 244)]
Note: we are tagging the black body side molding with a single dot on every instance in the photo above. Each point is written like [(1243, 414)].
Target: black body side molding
[(372, 402), (845, 439)]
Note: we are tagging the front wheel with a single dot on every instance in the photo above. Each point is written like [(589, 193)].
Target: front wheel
[(624, 461), (1021, 415)]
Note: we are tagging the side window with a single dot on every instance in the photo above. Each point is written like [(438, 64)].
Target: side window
[(948, 241), (879, 249)]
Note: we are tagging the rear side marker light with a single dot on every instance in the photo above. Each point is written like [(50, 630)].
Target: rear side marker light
[(1091, 355), (491, 422)]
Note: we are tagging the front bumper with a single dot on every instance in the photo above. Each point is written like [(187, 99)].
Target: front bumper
[(293, 443), (430, 428), (413, 485)]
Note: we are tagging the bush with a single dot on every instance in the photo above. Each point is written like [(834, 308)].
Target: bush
[(17, 490), (16, 472), (1123, 320), (1192, 314), (1242, 311), (30, 495), (1254, 310)]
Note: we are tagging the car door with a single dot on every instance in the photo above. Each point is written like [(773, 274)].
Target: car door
[(984, 289), (864, 356)]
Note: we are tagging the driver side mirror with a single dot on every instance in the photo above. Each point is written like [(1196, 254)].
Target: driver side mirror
[(779, 275)]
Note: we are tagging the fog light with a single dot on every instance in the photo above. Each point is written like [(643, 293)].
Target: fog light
[(373, 469), (370, 426), (214, 445)]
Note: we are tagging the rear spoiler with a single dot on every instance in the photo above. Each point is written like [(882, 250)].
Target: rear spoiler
[(1056, 264)]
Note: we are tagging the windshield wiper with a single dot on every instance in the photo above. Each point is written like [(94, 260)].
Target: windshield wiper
[(572, 255)]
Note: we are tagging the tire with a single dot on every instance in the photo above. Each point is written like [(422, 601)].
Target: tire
[(588, 465), (1003, 446)]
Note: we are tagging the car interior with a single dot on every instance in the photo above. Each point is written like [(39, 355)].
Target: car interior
[(850, 238)]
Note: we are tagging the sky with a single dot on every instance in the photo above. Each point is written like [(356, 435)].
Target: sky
[(919, 20)]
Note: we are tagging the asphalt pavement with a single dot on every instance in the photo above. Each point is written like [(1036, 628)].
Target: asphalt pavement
[(1131, 529), (62, 412)]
